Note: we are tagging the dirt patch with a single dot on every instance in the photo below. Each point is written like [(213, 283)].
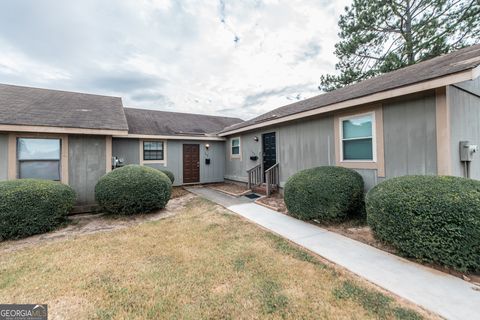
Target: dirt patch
[(178, 192), (230, 188), (83, 224), (274, 202)]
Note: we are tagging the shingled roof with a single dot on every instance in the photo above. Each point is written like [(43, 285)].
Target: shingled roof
[(153, 122), (458, 61), (53, 108)]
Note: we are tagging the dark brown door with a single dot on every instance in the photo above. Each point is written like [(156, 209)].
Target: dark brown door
[(191, 163)]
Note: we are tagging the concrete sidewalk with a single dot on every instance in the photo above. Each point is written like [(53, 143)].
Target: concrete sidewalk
[(445, 295)]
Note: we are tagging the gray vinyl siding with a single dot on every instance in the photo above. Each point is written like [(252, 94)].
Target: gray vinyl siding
[(212, 172), (464, 123), (304, 145), (410, 136), (86, 164), (300, 145), (236, 169), (3, 156), (129, 150)]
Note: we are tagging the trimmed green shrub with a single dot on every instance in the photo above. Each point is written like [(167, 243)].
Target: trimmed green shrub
[(169, 174), (430, 218), (32, 206), (324, 193), (133, 189)]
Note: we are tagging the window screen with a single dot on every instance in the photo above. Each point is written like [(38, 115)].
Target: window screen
[(236, 146), (357, 138), (153, 150), (38, 158)]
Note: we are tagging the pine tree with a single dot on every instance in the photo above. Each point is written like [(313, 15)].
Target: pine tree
[(382, 36)]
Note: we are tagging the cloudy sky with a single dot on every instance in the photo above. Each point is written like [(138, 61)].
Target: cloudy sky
[(226, 57)]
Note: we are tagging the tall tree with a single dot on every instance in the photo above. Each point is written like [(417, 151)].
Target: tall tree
[(379, 36)]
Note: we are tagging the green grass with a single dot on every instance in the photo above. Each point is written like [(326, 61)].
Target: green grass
[(374, 302)]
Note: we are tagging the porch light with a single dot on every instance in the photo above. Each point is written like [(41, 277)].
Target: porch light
[(207, 146)]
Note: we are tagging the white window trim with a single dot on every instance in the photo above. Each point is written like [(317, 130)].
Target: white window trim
[(239, 155), (165, 154), (374, 136)]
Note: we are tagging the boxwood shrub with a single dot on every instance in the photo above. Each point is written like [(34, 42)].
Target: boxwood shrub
[(133, 189), (170, 175), (430, 218), (32, 206), (324, 193)]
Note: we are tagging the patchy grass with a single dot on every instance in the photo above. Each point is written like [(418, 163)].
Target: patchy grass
[(201, 263), (374, 302)]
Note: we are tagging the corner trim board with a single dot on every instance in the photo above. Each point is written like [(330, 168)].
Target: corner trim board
[(442, 125)]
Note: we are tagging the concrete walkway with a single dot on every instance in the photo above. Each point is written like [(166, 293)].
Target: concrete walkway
[(445, 295)]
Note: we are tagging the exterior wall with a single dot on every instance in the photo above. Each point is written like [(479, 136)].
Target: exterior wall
[(408, 143), (87, 163), (464, 123), (304, 145), (410, 137), (3, 156), (129, 149), (300, 145)]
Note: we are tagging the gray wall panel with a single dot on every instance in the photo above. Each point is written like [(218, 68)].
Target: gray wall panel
[(304, 145), (300, 145), (3, 156), (410, 136), (127, 149), (370, 178), (86, 164), (214, 172), (465, 125), (472, 86)]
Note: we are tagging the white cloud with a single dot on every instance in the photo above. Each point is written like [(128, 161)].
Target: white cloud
[(237, 58)]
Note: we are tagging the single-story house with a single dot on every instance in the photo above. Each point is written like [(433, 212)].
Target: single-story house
[(409, 121), (73, 137)]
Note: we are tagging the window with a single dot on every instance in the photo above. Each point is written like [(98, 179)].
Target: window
[(357, 138), (38, 158), (153, 150), (235, 147)]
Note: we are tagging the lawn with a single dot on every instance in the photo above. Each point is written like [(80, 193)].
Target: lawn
[(202, 262)]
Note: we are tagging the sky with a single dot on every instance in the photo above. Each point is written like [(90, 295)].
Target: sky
[(238, 58)]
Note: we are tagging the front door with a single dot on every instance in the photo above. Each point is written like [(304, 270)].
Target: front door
[(191, 163), (269, 145)]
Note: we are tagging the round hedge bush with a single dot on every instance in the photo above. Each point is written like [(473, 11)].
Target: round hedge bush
[(169, 174), (133, 189), (324, 193), (32, 206), (430, 218)]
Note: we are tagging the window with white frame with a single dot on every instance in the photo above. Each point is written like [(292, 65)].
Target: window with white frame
[(357, 137), (235, 147), (153, 150), (38, 158)]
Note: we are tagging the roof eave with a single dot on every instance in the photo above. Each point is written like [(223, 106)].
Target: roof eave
[(52, 129), (466, 75), (172, 137)]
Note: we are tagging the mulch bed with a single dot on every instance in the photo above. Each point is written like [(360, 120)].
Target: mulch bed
[(274, 202)]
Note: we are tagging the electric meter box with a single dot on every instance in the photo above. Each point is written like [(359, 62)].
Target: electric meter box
[(467, 150)]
